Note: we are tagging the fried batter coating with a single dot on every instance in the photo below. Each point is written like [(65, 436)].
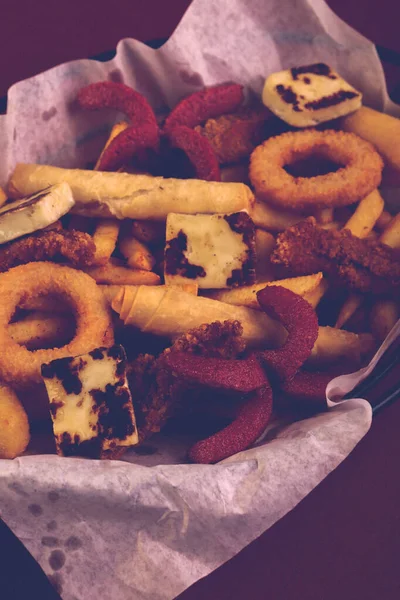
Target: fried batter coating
[(156, 392), (74, 247), (361, 265), (234, 137)]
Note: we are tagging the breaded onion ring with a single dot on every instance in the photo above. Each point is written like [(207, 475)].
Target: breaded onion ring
[(360, 173), (19, 366)]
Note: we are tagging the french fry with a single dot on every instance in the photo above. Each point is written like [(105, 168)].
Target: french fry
[(324, 215), (40, 330), (360, 224), (106, 233), (391, 235), (105, 238), (350, 305), (366, 215), (373, 235), (332, 225), (265, 244), (383, 317), (115, 273), (317, 293), (383, 220), (236, 173), (137, 255), (3, 197), (368, 345), (271, 219), (116, 130), (149, 232), (382, 131), (335, 345), (247, 295)]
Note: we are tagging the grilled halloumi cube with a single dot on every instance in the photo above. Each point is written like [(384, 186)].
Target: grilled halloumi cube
[(306, 96), (91, 404), (214, 251), (35, 212)]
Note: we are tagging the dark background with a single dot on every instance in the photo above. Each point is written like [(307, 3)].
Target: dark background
[(343, 540)]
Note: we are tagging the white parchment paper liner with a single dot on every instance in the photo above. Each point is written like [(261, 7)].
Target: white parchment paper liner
[(148, 530)]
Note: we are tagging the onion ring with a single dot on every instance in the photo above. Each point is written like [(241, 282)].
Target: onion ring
[(198, 150), (205, 104), (19, 366), (362, 171)]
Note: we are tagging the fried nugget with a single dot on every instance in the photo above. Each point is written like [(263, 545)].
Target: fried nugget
[(74, 247), (365, 266), (233, 137), (157, 393)]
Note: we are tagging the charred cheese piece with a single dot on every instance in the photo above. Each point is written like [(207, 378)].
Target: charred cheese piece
[(91, 404), (306, 96), (35, 212), (214, 251)]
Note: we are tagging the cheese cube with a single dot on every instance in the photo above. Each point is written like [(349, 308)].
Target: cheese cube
[(34, 212), (214, 251), (306, 96), (91, 404)]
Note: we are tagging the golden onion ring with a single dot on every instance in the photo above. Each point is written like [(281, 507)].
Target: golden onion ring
[(19, 366), (360, 174)]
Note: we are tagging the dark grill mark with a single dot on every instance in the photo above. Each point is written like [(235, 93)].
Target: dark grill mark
[(67, 372), (331, 100), (176, 262), (288, 96), (241, 223), (316, 69)]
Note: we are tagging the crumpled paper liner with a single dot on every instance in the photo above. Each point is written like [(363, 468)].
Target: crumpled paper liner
[(150, 529)]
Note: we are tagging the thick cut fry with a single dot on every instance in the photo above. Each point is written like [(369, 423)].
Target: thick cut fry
[(366, 215), (271, 219), (40, 330), (391, 235), (3, 197), (116, 130), (105, 238), (149, 232), (350, 305), (332, 225), (126, 196), (324, 215), (383, 317), (335, 345), (383, 220), (317, 293), (265, 244), (247, 295), (14, 426), (383, 131), (113, 272), (137, 255)]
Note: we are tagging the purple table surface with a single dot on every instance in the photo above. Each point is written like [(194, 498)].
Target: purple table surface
[(343, 540)]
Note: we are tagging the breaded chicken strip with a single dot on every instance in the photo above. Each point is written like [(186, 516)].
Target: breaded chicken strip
[(74, 247), (156, 392), (361, 265), (233, 137)]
